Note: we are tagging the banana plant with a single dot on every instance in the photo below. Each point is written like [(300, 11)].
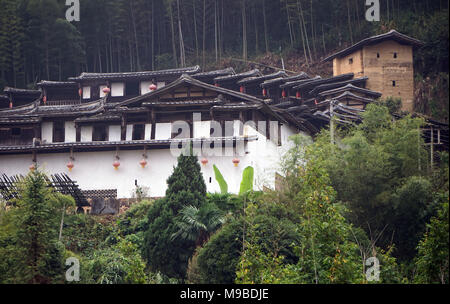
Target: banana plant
[(246, 183)]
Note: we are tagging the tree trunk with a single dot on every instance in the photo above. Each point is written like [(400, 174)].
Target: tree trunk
[(266, 40), (244, 32)]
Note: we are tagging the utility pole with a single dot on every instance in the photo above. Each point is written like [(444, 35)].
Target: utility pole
[(432, 149), (332, 121)]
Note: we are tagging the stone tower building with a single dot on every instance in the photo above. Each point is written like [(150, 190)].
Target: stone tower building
[(387, 61)]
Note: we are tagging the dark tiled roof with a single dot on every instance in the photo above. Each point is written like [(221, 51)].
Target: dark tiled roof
[(114, 144), (299, 76), (272, 82), (188, 102), (392, 35), (290, 84), (22, 91), (330, 86), (251, 73), (263, 78), (315, 83), (349, 95), (47, 83), (99, 117), (135, 75), (215, 73), (20, 120), (350, 88), (236, 106)]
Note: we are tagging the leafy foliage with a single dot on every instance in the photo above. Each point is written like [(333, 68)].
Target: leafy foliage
[(433, 258), (121, 264), (29, 236), (219, 178)]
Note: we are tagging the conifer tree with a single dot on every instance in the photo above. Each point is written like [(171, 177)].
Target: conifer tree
[(38, 253), (185, 187)]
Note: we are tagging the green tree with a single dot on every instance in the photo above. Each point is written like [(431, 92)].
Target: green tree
[(121, 264), (32, 250), (432, 261), (197, 224), (186, 187)]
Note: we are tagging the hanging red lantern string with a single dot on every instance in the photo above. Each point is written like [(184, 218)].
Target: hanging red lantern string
[(242, 89), (204, 161), (44, 99), (283, 93), (236, 162), (80, 92), (10, 104), (264, 92), (152, 87), (298, 95), (106, 90)]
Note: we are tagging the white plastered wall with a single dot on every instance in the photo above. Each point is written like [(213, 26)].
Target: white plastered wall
[(47, 131), (70, 134), (94, 170)]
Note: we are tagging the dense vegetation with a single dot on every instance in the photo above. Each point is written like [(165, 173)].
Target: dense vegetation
[(37, 42), (370, 194)]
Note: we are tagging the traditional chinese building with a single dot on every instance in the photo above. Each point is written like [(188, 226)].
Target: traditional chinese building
[(113, 131), (387, 62)]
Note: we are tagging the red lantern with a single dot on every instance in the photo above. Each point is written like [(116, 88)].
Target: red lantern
[(298, 95), (10, 104), (44, 99), (106, 90), (217, 85), (236, 162), (283, 94), (80, 92), (242, 89), (116, 165), (143, 163), (152, 87), (315, 101), (264, 92), (32, 167), (70, 165), (204, 161)]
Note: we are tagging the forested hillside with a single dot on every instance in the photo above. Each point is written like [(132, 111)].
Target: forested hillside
[(36, 41)]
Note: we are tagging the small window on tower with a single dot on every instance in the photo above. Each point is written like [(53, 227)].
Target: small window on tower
[(350, 61), (395, 55), (378, 55), (394, 83)]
